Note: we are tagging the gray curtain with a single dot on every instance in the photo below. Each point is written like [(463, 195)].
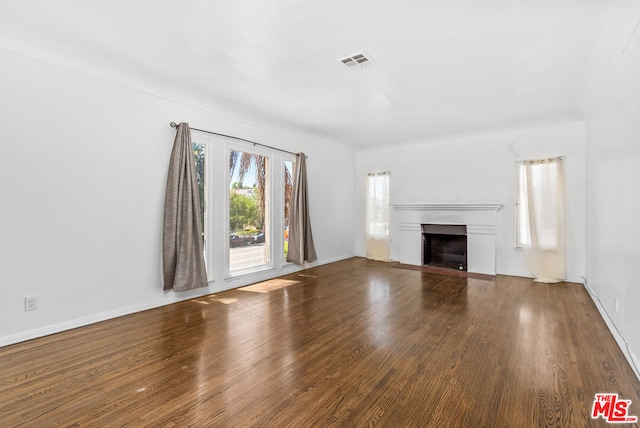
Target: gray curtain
[(301, 247), (182, 244)]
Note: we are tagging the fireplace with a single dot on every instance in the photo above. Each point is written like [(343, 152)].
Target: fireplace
[(481, 220), (444, 245)]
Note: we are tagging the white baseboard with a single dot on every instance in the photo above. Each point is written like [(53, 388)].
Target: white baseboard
[(620, 340), (92, 319), (333, 260)]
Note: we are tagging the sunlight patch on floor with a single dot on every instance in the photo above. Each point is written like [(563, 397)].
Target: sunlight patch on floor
[(267, 286), (225, 300), (214, 298)]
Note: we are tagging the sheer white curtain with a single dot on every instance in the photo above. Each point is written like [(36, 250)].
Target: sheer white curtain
[(377, 216), (542, 217)]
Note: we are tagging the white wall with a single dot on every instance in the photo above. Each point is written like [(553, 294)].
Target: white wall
[(83, 165), (613, 201), (482, 170)]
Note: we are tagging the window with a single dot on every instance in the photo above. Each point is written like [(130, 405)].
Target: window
[(288, 191), (378, 205), (377, 216), (538, 202), (523, 237), (245, 192), (199, 157), (249, 210)]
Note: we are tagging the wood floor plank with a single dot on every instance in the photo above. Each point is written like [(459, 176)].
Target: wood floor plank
[(353, 343)]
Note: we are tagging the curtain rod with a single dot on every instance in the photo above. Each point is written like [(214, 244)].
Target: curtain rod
[(543, 160), (175, 125)]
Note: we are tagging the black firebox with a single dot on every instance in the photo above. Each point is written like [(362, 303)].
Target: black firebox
[(444, 245)]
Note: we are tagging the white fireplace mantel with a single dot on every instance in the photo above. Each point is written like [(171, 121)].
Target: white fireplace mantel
[(480, 219), (468, 206)]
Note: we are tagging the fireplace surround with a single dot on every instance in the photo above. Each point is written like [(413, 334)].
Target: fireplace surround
[(479, 219)]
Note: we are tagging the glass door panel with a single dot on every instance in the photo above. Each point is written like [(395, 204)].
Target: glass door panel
[(248, 210)]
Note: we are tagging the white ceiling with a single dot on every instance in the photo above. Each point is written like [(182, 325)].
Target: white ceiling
[(440, 68)]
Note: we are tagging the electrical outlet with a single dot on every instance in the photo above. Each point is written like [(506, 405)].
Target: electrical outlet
[(31, 303)]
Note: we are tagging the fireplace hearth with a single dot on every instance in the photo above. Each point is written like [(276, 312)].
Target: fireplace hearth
[(445, 246)]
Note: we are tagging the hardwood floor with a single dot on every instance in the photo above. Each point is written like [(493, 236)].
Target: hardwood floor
[(353, 343)]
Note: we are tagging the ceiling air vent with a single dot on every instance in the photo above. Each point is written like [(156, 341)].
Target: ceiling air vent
[(357, 60)]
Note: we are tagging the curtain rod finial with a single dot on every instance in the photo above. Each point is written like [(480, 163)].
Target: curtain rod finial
[(173, 125)]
